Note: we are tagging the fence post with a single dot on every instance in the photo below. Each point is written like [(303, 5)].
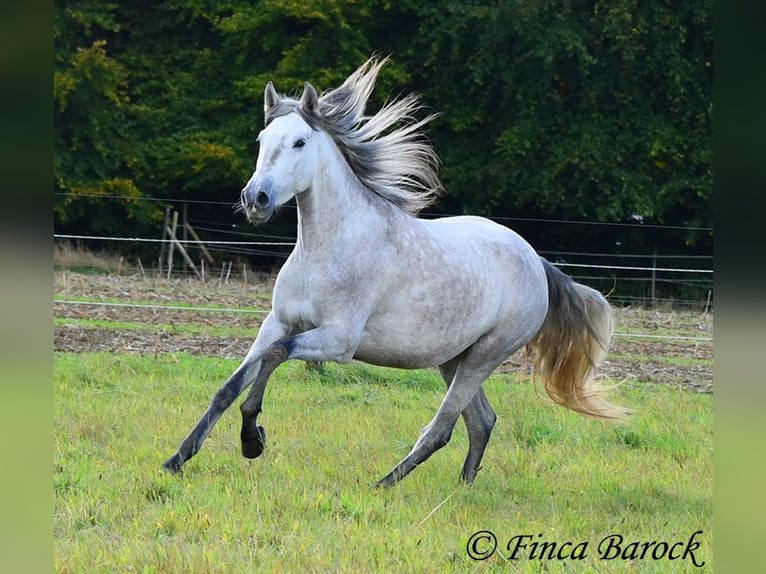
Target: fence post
[(654, 276), (172, 244), (177, 244), (184, 226), (201, 245), (165, 225)]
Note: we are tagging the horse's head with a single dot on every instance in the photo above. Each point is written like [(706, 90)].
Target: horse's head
[(287, 157), (386, 151)]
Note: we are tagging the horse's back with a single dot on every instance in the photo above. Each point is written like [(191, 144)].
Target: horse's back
[(503, 252)]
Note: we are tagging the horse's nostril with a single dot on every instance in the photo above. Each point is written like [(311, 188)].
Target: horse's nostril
[(262, 200)]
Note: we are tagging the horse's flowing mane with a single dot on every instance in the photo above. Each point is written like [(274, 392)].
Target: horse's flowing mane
[(387, 151)]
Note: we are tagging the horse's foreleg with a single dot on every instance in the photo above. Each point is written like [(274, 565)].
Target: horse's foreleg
[(270, 330), (253, 437), (326, 343), (222, 400)]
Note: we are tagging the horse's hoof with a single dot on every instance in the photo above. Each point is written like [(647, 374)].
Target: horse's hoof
[(173, 465), (252, 445)]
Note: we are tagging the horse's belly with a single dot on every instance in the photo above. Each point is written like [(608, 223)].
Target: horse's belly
[(402, 359), (406, 343)]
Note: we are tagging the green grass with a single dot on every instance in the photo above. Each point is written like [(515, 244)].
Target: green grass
[(187, 328), (307, 504)]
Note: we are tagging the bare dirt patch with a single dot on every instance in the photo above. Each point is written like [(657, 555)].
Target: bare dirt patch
[(654, 346)]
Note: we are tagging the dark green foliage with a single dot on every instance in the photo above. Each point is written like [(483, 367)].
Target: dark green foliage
[(597, 111), (583, 110), (94, 154)]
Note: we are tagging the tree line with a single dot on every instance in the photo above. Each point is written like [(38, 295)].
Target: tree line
[(575, 110)]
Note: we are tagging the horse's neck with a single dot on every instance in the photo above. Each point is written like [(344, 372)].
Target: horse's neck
[(337, 207)]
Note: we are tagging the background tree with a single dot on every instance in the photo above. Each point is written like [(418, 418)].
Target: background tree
[(94, 159), (595, 111)]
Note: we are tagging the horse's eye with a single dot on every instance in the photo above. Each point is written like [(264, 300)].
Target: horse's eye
[(299, 143)]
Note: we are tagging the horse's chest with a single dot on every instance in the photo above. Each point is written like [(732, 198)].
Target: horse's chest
[(305, 298), (297, 312)]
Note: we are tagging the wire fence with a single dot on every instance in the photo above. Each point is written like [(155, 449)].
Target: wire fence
[(291, 244), (647, 281), (231, 249)]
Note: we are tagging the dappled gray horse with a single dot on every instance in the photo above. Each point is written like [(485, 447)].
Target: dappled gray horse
[(369, 281)]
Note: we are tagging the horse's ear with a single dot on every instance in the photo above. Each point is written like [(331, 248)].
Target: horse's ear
[(270, 98), (309, 99)]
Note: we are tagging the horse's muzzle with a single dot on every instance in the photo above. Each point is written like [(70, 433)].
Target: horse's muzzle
[(257, 204)]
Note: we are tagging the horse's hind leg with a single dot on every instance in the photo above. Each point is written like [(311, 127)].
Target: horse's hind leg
[(479, 420), (469, 376)]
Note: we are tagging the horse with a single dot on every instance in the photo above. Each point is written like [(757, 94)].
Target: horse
[(369, 280)]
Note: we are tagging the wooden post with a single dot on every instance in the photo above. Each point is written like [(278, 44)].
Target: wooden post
[(164, 233), (184, 227), (177, 244), (202, 247), (654, 276), (172, 233)]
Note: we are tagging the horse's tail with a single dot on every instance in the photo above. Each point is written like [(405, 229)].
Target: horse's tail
[(571, 343)]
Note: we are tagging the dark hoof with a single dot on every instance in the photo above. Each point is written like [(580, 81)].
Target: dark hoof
[(253, 442), (173, 464), (468, 475)]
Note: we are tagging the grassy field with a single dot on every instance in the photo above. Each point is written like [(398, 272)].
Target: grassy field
[(307, 505)]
